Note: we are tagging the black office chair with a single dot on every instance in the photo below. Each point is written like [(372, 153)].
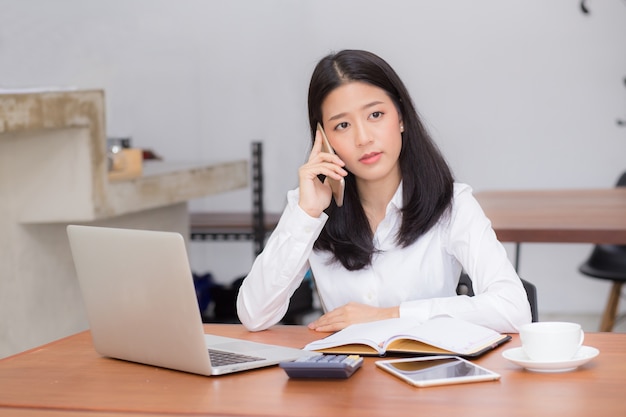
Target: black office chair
[(465, 288), (608, 262)]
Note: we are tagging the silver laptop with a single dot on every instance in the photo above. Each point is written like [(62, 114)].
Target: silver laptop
[(141, 304)]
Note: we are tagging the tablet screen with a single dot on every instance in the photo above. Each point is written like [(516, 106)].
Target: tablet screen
[(436, 370)]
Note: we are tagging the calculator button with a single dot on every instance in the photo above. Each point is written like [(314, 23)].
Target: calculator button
[(323, 366)]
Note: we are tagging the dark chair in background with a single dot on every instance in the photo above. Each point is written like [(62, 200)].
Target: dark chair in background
[(608, 262), (465, 288)]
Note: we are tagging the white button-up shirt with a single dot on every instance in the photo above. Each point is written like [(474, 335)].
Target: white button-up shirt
[(420, 278)]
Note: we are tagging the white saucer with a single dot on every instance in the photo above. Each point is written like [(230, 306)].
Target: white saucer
[(518, 357)]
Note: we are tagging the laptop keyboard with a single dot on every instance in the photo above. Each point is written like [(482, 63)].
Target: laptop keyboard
[(221, 358)]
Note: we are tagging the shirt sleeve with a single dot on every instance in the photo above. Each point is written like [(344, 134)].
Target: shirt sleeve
[(500, 301), (277, 272)]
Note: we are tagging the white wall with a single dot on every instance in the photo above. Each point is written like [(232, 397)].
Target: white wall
[(518, 93)]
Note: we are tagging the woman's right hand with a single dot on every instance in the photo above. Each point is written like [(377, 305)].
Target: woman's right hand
[(314, 195)]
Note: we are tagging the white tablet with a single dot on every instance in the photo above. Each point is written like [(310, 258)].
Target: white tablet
[(436, 370)]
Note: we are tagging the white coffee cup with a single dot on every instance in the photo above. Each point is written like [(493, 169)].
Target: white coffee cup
[(551, 341)]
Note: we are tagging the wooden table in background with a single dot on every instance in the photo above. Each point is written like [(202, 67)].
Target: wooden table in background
[(557, 216), (69, 377)]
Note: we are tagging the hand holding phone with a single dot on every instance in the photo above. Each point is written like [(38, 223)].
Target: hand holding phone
[(337, 186)]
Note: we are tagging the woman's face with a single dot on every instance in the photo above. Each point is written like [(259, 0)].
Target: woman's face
[(365, 129)]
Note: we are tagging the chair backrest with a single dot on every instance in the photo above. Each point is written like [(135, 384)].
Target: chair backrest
[(465, 288)]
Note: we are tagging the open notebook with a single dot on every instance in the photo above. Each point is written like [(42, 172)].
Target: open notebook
[(141, 304), (438, 336)]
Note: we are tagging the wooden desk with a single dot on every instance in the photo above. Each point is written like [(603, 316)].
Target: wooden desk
[(68, 375), (556, 216), (566, 216)]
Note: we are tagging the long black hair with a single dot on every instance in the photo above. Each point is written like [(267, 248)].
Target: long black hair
[(427, 181)]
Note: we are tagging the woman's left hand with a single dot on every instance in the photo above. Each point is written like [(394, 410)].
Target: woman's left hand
[(352, 313)]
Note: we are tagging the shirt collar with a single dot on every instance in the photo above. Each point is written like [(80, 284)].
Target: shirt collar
[(396, 200)]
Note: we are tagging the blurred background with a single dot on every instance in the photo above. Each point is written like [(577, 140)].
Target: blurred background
[(518, 94)]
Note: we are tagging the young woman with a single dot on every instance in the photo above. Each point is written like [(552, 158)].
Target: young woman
[(405, 232)]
